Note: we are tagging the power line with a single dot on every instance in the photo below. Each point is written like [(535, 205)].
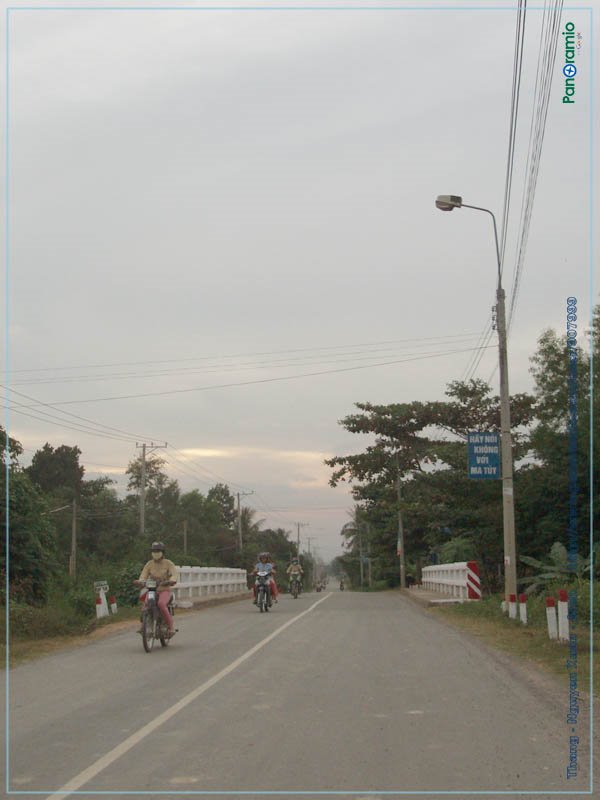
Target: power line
[(241, 355), (164, 393), (360, 355)]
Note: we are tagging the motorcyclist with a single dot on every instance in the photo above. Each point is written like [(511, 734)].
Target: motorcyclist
[(164, 573), (265, 564), (342, 584), (295, 570)]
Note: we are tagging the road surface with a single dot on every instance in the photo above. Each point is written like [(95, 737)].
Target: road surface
[(350, 692)]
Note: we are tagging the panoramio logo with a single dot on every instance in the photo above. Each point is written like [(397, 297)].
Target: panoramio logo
[(569, 70)]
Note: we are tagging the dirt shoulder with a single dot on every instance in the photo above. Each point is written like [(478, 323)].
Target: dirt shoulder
[(127, 620)]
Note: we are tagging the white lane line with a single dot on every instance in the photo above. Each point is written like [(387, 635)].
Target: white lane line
[(105, 761)]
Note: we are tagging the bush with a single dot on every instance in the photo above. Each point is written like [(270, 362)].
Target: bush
[(122, 583), (29, 622)]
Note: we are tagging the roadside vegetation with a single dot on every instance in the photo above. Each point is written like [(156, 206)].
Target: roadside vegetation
[(413, 461), (49, 599), (486, 620)]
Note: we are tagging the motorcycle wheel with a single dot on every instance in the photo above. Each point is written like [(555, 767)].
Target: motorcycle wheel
[(295, 591), (148, 629), (164, 639), (261, 600)]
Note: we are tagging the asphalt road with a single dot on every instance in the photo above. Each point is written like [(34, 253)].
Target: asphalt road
[(362, 693)]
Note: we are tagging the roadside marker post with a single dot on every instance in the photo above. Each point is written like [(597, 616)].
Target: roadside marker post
[(512, 606), (563, 616), (523, 608), (101, 605), (551, 618), (113, 604)]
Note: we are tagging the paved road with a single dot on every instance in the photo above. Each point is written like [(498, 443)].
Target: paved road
[(363, 692)]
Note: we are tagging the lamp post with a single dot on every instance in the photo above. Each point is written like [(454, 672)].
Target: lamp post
[(447, 202)]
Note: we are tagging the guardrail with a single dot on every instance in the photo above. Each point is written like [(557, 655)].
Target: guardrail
[(196, 582), (460, 579)]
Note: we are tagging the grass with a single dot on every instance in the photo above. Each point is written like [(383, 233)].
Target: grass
[(530, 642), (37, 632), (38, 640)]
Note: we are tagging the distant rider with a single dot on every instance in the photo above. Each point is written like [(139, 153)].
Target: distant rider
[(295, 571), (265, 564), (164, 573)]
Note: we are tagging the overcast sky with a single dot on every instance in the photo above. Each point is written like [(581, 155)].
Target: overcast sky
[(228, 196)]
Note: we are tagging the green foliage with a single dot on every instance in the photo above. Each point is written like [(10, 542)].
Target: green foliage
[(555, 568), (59, 468), (31, 540), (459, 548), (122, 583), (55, 619)]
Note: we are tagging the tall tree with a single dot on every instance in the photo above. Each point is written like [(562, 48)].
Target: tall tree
[(56, 469)]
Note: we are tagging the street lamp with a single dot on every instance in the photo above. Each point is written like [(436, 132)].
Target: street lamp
[(447, 202)]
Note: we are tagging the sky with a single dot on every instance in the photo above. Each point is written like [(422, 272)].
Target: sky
[(206, 207)]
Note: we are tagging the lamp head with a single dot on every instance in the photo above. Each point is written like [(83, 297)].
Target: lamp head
[(446, 202)]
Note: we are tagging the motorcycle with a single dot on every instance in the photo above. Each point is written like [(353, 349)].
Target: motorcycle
[(295, 587), (318, 587), (153, 625), (263, 591), (341, 586)]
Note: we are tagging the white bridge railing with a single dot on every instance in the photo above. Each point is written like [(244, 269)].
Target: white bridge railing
[(195, 582), (460, 579)]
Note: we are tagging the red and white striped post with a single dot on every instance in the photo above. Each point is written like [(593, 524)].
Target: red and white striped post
[(551, 618), (112, 601), (101, 605), (512, 606), (563, 616), (473, 581), (523, 608)]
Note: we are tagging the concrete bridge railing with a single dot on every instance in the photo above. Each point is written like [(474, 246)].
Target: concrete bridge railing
[(198, 582), (460, 579)]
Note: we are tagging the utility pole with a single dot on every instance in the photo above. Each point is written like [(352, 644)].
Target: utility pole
[(185, 524), (73, 556), (400, 527), (143, 482), (369, 554), (448, 203), (239, 516)]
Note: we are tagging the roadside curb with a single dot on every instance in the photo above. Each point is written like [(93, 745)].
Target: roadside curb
[(428, 599)]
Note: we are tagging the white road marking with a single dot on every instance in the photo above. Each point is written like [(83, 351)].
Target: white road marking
[(105, 761)]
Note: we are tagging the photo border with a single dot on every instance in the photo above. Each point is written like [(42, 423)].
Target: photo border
[(357, 7)]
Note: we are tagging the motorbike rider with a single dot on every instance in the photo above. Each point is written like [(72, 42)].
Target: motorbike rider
[(265, 564), (295, 571), (164, 573)]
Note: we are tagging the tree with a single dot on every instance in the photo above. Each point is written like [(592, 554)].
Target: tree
[(425, 443), (30, 536), (55, 469), (222, 499)]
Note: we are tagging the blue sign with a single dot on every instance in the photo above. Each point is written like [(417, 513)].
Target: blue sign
[(484, 455)]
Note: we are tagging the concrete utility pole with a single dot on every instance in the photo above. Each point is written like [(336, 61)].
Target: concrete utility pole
[(239, 516), (401, 553), (447, 203), (369, 554), (143, 482), (73, 556)]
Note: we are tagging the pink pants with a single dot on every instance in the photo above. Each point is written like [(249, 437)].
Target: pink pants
[(163, 601)]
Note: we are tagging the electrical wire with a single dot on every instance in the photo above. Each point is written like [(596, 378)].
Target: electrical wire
[(249, 355), (167, 392)]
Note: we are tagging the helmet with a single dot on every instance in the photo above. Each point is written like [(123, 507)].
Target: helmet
[(157, 546), (263, 555), (294, 560)]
